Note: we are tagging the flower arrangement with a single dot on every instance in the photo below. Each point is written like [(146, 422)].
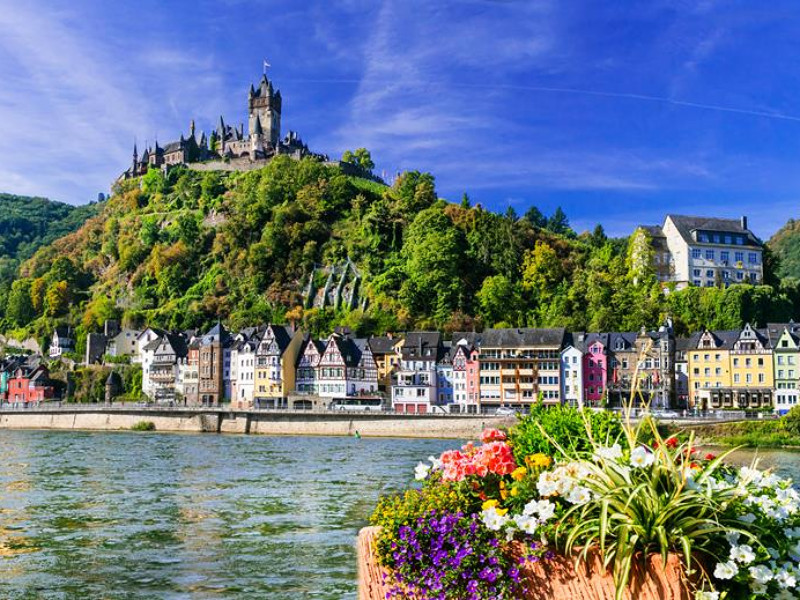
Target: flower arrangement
[(485, 510)]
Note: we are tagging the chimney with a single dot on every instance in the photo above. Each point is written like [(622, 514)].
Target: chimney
[(744, 222)]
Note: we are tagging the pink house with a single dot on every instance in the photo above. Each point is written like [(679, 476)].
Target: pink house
[(595, 368), (466, 376)]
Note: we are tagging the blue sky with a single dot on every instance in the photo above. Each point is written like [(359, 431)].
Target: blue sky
[(617, 111)]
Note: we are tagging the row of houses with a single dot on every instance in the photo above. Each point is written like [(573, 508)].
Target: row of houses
[(276, 366)]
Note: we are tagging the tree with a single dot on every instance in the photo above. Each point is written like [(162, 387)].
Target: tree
[(361, 157), (432, 252), (38, 288), (20, 307), (535, 217), (499, 300), (598, 237), (56, 300), (541, 269), (558, 223), (465, 201), (640, 257)]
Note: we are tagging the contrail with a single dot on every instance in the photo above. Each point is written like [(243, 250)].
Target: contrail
[(582, 92)]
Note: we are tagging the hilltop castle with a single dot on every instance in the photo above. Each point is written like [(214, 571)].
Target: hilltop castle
[(227, 146)]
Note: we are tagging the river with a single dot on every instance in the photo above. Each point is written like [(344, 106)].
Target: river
[(169, 516)]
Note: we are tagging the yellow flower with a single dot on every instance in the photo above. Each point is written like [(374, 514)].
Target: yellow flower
[(501, 511), (489, 504), (503, 491), (519, 473), (514, 491), (539, 460)]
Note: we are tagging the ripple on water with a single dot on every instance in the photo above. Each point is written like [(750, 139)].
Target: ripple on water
[(121, 515)]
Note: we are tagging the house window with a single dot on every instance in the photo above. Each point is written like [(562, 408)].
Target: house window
[(752, 258), (695, 252), (696, 272), (739, 275), (710, 274), (724, 254), (697, 283), (709, 255), (739, 256)]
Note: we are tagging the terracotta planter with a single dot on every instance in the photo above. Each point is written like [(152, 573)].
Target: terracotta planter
[(555, 579)]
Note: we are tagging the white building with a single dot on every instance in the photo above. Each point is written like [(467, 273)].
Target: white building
[(572, 370), (415, 388), (706, 252), (243, 372), (63, 341)]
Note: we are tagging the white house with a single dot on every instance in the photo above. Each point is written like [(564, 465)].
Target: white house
[(415, 387), (63, 341), (243, 371), (707, 252), (572, 370)]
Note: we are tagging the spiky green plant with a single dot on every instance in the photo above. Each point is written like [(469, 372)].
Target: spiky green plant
[(668, 506)]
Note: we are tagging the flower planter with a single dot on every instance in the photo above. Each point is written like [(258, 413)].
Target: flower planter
[(555, 579)]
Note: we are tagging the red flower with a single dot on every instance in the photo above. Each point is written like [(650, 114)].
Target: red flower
[(710, 456), (671, 442), (492, 435)]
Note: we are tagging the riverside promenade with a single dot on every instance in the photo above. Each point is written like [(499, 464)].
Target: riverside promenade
[(99, 417)]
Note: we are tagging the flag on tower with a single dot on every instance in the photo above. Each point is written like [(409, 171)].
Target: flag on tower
[(266, 65)]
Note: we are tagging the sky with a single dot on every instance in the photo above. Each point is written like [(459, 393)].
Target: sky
[(617, 111)]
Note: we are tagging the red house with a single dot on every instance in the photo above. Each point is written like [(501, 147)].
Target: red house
[(595, 368), (29, 384)]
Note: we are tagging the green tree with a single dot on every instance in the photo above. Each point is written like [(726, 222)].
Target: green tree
[(639, 258), (56, 300), (499, 300), (541, 270), (535, 217), (361, 157), (432, 253), (20, 307), (559, 223)]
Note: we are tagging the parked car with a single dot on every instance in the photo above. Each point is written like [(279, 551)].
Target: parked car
[(505, 411)]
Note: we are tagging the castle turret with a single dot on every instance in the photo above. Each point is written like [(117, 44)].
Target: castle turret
[(264, 104), (135, 160)]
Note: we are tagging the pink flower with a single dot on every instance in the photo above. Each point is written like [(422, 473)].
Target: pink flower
[(492, 435)]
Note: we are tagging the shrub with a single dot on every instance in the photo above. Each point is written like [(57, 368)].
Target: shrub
[(144, 426), (565, 426)]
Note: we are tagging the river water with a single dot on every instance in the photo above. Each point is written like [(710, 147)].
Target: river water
[(167, 516)]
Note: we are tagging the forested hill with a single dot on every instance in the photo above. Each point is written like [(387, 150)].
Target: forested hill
[(786, 246), (27, 224), (180, 251)]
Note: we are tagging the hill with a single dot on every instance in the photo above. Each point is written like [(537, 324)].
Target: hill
[(27, 224), (302, 241), (785, 243)]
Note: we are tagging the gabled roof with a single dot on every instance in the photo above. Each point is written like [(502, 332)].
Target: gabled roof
[(422, 345), (622, 340), (722, 339), (519, 338), (380, 345), (217, 333), (688, 224), (576, 340)]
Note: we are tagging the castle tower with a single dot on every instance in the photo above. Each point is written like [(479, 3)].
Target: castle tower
[(256, 139), (135, 159), (264, 106)]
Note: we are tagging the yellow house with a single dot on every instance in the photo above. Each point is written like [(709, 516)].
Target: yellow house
[(731, 369), (752, 370), (276, 364), (709, 366), (386, 352)]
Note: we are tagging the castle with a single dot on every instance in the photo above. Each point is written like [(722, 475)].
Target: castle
[(228, 143)]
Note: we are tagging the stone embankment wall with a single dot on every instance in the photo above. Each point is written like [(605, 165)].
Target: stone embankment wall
[(254, 422)]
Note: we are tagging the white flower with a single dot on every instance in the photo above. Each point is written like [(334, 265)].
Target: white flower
[(609, 452), (760, 574), (750, 475), (435, 462), (579, 495), (748, 518), (565, 485), (421, 472), (544, 508), (546, 485), (706, 595), (726, 570), (641, 458), (743, 554), (758, 588), (493, 520), (786, 579), (526, 524), (785, 595), (792, 532), (732, 537)]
